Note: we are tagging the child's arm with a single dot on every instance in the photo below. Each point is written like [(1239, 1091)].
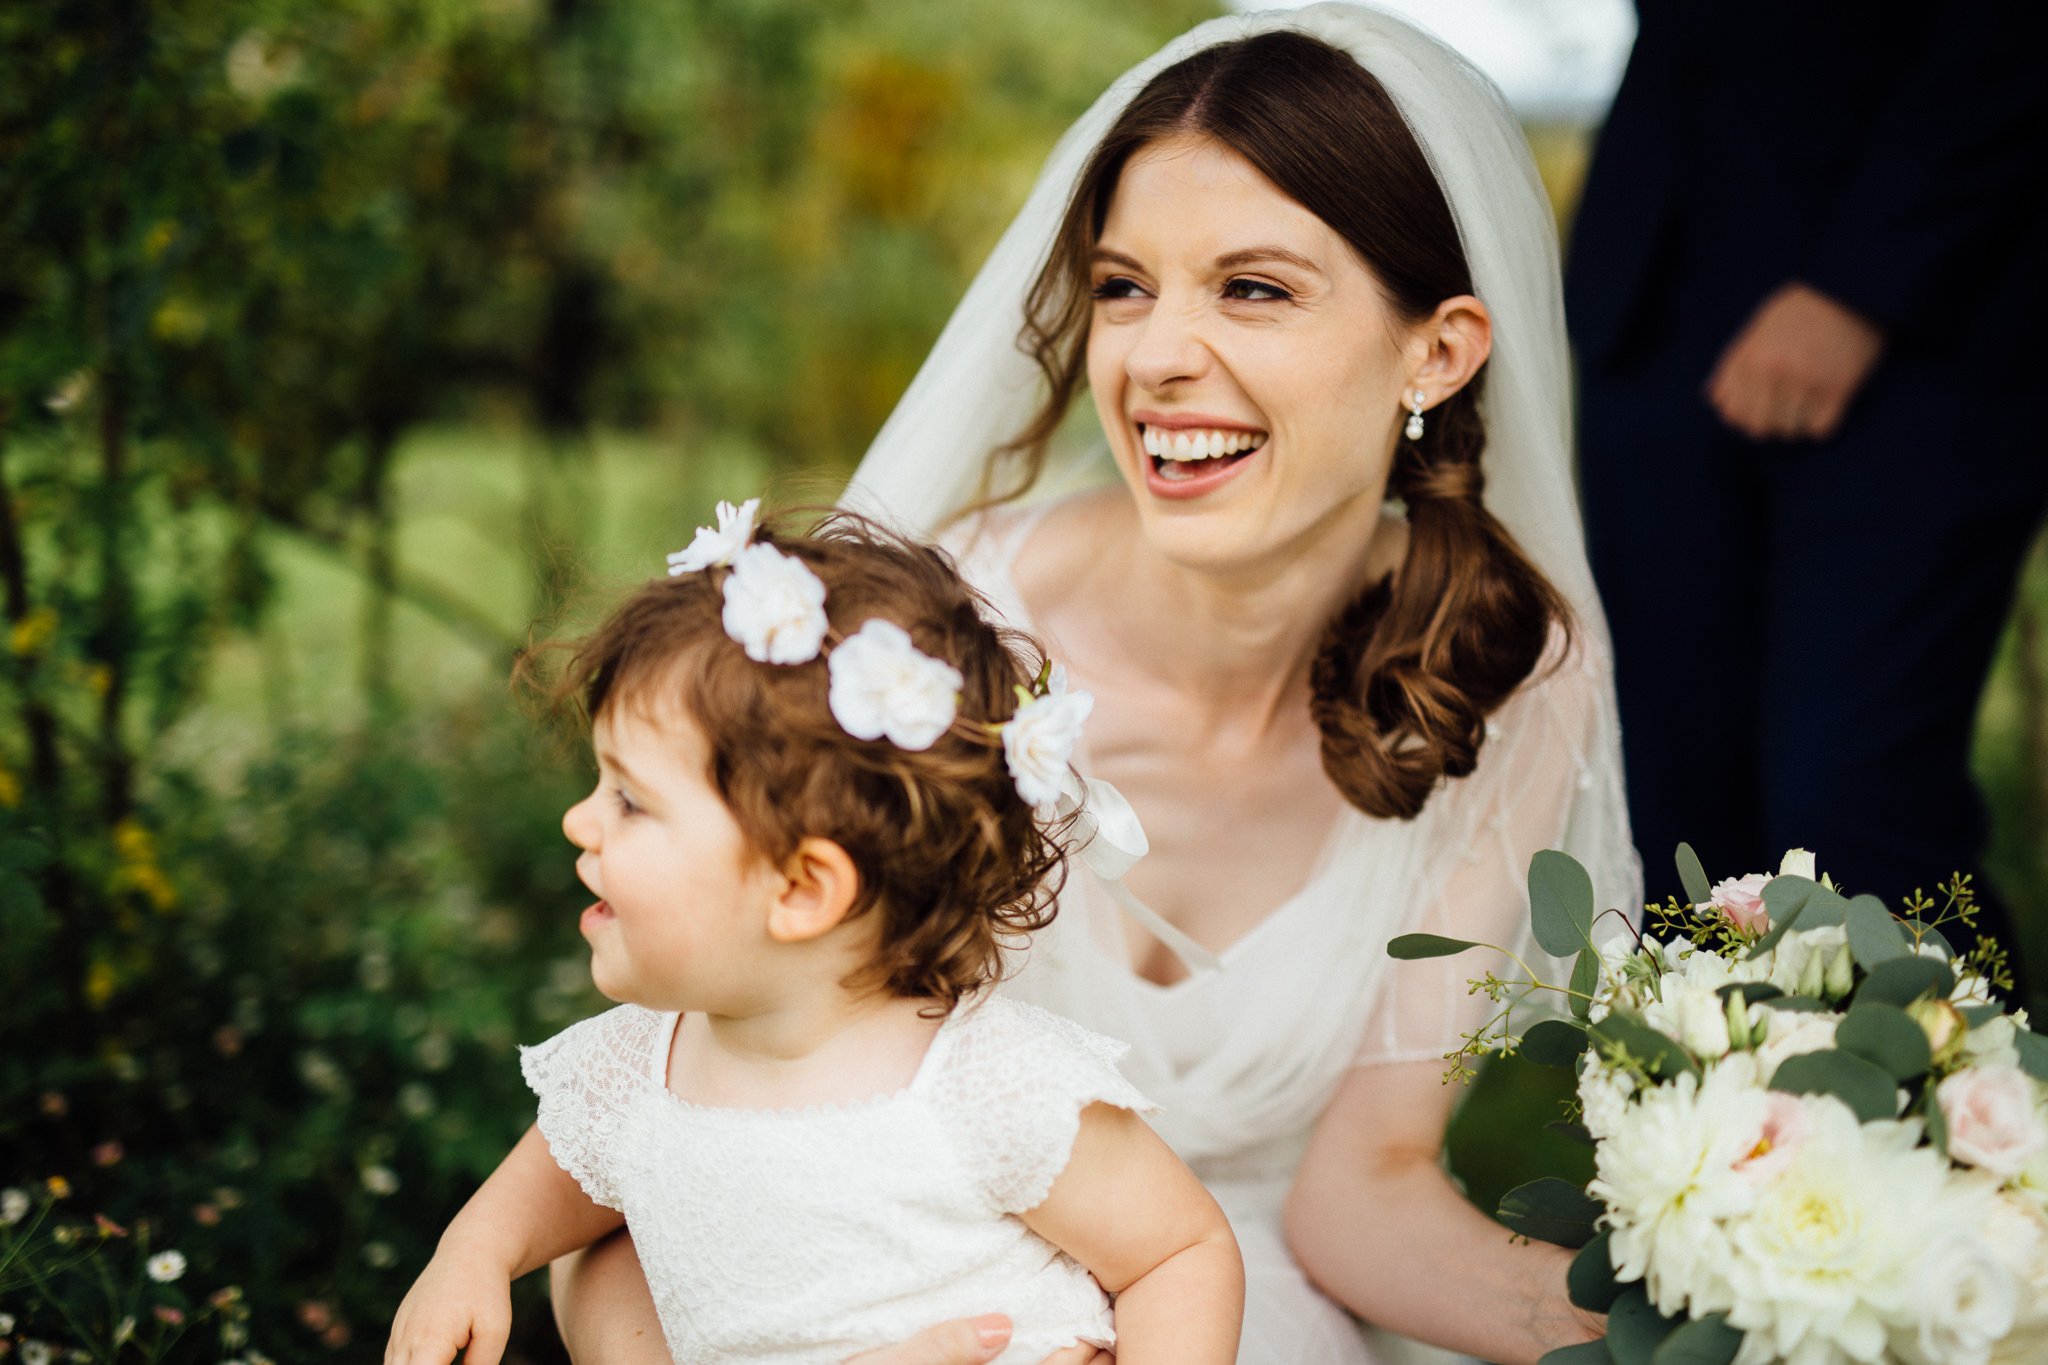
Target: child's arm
[(529, 1212), (1130, 1211)]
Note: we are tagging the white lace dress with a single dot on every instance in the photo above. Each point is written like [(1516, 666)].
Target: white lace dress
[(1243, 1060), (808, 1235)]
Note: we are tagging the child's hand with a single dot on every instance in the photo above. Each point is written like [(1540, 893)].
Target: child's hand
[(456, 1302)]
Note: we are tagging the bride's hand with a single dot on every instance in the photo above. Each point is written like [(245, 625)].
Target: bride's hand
[(969, 1341)]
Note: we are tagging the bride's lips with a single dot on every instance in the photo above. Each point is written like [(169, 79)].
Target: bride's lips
[(1181, 479)]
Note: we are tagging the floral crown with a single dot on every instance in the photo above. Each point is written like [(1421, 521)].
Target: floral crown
[(882, 685)]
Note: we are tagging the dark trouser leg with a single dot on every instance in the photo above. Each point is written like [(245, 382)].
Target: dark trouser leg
[(1893, 549)]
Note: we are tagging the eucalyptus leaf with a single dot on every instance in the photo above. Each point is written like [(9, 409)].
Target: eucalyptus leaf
[(1554, 1042), (2033, 1050), (1635, 1329), (1824, 908), (1752, 992), (1693, 877), (1785, 902), (1551, 1210), (1560, 903), (1937, 1121), (1585, 980), (1903, 980), (1410, 947), (1661, 1056), (1590, 1280), (1575, 1132), (1800, 1004), (1973, 1015), (1884, 1035), (1874, 936), (1585, 1353), (1703, 1341), (1864, 1086)]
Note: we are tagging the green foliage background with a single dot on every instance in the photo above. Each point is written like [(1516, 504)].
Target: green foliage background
[(344, 346)]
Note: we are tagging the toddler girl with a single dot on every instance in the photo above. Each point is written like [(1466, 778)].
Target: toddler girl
[(820, 812)]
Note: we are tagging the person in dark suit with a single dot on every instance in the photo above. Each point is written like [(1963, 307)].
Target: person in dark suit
[(1807, 287)]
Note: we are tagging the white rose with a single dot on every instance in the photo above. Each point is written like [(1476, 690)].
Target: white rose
[(1038, 742), (1798, 862), (1967, 1298), (883, 686), (1993, 1122), (774, 607), (720, 544), (1993, 1042), (1694, 1015)]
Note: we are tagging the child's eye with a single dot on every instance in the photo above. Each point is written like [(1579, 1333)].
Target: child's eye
[(1116, 287), (624, 802), (1254, 291)]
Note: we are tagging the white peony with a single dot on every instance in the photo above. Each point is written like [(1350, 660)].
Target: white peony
[(1824, 1264), (1038, 741), (1604, 1094), (883, 686), (1669, 1176), (720, 544), (774, 606)]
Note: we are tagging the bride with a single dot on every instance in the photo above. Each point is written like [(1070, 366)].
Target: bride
[(1350, 674)]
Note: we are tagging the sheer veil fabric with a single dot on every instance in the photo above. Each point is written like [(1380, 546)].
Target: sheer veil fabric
[(1243, 1059)]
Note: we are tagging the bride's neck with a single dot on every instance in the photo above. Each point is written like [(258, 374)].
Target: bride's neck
[(1240, 639)]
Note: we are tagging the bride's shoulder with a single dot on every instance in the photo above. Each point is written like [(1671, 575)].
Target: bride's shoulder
[(1039, 551)]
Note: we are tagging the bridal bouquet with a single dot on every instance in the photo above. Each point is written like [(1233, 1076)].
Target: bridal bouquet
[(1817, 1137)]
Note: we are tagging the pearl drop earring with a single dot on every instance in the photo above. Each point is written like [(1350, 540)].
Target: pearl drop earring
[(1415, 402)]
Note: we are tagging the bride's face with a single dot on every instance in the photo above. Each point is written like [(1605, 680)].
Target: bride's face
[(1244, 362)]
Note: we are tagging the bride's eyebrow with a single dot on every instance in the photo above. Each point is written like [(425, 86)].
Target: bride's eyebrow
[(1105, 256), (1260, 255)]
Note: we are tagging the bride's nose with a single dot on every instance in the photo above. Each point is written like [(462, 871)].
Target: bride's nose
[(1167, 350)]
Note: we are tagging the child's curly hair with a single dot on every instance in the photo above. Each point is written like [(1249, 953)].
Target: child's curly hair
[(948, 853)]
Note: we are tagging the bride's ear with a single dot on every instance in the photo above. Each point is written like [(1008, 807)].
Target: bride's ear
[(815, 891), (1451, 345)]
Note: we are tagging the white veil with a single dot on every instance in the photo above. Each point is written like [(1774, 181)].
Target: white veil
[(978, 387)]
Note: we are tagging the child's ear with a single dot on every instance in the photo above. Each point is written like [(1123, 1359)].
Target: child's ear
[(819, 883)]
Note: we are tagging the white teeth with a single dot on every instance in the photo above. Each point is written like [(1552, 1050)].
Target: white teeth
[(1191, 444)]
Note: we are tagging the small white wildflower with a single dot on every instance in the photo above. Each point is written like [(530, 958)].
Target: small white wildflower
[(415, 1101), (1038, 741), (14, 1206), (719, 544), (774, 607), (379, 1255), (233, 1334), (124, 1330), (35, 1352), (884, 686), (165, 1266), (6, 1323), (380, 1180)]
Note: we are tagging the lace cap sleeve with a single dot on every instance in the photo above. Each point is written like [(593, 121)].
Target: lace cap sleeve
[(1014, 1083), (584, 1076)]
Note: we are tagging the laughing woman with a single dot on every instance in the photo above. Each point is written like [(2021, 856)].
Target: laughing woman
[(1328, 589)]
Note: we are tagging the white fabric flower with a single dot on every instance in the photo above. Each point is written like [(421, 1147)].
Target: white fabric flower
[(883, 686), (720, 544), (774, 606), (165, 1266), (1039, 740)]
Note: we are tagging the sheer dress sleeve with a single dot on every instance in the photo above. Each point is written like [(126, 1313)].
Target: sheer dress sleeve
[(1532, 777)]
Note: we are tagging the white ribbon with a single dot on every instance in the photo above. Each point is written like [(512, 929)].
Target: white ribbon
[(1111, 841)]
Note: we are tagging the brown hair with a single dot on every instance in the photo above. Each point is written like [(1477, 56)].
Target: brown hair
[(949, 855), (1407, 673)]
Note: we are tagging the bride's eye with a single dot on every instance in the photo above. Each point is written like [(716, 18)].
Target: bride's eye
[(1116, 287), (1255, 291)]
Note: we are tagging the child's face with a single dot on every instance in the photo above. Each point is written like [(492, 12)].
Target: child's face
[(683, 898)]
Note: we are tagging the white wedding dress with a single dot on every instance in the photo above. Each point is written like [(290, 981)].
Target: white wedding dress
[(1243, 1059)]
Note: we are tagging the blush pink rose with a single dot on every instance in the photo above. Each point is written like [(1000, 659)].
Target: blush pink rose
[(1992, 1121), (1741, 899)]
